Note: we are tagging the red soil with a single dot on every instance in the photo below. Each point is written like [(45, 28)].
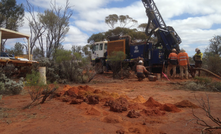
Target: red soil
[(158, 114)]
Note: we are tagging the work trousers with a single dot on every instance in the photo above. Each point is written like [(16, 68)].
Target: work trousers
[(185, 68), (169, 67)]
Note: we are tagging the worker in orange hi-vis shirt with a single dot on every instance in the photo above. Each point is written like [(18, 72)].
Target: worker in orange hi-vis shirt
[(172, 63), (183, 60)]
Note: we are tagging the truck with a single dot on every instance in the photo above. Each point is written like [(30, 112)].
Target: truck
[(154, 54)]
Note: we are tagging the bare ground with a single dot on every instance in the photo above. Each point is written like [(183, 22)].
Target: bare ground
[(58, 117)]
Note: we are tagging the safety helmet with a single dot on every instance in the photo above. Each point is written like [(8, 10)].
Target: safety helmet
[(197, 49), (140, 61), (173, 50), (182, 50)]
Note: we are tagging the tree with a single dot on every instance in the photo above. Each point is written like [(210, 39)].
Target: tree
[(111, 20), (96, 38), (16, 50), (124, 20), (215, 45), (36, 28), (211, 58), (52, 26), (11, 15)]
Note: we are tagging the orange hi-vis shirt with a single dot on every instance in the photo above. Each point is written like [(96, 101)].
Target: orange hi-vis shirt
[(182, 58), (172, 56)]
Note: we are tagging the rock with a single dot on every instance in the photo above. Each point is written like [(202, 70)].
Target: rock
[(133, 114), (152, 112), (109, 102), (66, 99), (112, 118), (76, 101), (119, 105), (120, 132), (93, 99)]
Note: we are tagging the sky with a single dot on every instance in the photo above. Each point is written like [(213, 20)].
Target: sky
[(195, 21)]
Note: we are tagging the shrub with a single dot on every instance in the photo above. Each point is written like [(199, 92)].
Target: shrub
[(118, 66), (67, 65), (37, 89), (8, 86), (203, 80)]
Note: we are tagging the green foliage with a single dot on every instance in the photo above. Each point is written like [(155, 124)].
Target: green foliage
[(96, 37), (49, 28), (62, 55), (68, 66), (215, 45), (203, 80), (124, 20), (117, 56), (33, 79), (11, 14), (204, 84), (8, 86), (17, 49), (118, 66), (212, 62), (111, 20), (2, 86)]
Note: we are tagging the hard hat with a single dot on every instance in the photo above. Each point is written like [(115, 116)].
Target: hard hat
[(197, 49), (173, 50), (140, 61), (182, 50)]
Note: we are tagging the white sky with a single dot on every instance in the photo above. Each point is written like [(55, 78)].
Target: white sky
[(195, 21)]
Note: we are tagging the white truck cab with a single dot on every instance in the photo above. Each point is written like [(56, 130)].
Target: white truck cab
[(98, 50)]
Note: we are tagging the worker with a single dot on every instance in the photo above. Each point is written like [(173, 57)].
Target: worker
[(198, 57), (141, 70), (183, 61), (172, 63)]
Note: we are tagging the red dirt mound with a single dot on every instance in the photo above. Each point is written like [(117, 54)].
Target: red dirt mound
[(136, 106), (66, 87), (139, 99), (86, 88), (93, 111), (152, 103), (152, 112), (186, 103), (169, 108), (73, 92), (112, 118)]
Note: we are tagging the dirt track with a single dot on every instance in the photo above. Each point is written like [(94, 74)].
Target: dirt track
[(57, 116)]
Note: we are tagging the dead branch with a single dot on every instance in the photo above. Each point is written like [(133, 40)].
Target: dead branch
[(42, 94), (205, 106)]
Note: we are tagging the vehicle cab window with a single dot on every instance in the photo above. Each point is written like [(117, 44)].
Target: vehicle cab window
[(96, 48), (105, 46), (101, 46)]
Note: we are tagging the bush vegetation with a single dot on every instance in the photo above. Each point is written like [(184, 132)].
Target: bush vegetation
[(8, 86), (119, 67), (68, 66), (37, 89), (204, 84)]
